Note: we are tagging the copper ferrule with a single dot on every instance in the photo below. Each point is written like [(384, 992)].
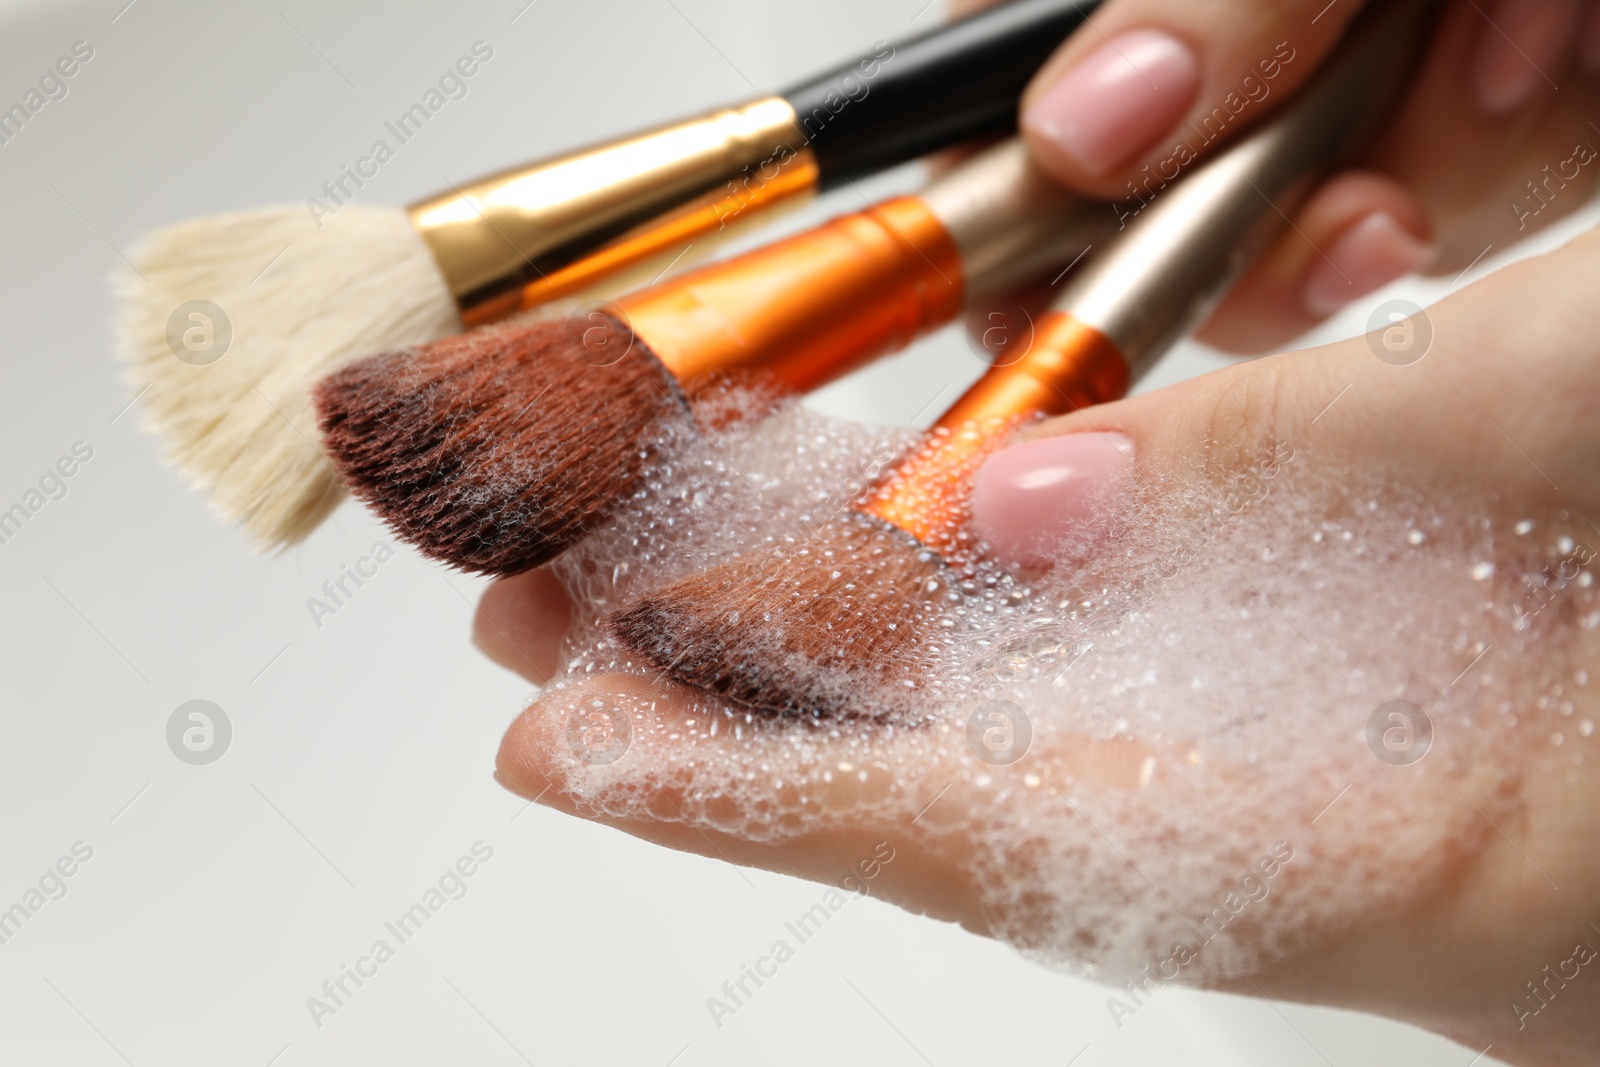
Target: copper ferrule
[(809, 309), (1068, 365), (558, 226)]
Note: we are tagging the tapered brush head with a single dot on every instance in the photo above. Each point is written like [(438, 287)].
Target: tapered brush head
[(286, 299), (497, 450), (847, 620)]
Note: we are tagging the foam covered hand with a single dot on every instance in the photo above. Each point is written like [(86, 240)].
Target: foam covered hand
[(1285, 685)]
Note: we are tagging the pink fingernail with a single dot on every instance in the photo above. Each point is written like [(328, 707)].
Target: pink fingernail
[(1116, 102), (1519, 50), (1041, 502), (1370, 254)]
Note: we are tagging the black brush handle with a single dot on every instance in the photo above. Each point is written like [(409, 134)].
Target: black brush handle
[(913, 97)]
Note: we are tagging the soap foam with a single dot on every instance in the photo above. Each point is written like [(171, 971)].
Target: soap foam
[(1198, 694)]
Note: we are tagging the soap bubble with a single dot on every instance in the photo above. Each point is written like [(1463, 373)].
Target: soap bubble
[(1118, 742)]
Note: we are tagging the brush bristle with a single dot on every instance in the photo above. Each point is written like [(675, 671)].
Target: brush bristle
[(845, 621), (301, 300), (495, 451)]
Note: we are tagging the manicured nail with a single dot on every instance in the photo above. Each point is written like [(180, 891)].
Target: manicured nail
[(1589, 43), (1116, 102), (1040, 502), (1368, 255), (1519, 50)]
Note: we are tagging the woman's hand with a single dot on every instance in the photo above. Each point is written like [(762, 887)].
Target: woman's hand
[(1423, 890), (1494, 141)]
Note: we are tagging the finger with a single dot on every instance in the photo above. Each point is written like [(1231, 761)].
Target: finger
[(521, 622), (1522, 40), (1359, 231), (1493, 404), (651, 791), (1494, 139), (675, 784), (1146, 76), (1491, 177)]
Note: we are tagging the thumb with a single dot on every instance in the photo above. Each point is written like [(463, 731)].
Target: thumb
[(1487, 396)]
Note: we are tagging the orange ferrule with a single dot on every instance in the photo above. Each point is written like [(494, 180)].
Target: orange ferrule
[(809, 309), (1068, 365)]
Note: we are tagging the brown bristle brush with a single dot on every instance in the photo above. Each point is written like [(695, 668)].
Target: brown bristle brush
[(226, 322), (497, 450), (839, 621)]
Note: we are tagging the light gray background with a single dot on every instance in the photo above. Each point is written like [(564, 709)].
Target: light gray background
[(220, 897)]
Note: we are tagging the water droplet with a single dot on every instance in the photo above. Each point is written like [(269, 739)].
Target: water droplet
[(1586, 727), (1482, 572), (1415, 537), (1524, 528)]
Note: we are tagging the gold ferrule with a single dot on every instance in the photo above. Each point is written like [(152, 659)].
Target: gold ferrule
[(557, 226)]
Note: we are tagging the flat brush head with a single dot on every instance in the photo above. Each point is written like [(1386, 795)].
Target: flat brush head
[(226, 323), (846, 621), (497, 450)]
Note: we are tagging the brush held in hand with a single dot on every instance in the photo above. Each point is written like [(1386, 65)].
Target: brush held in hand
[(561, 414), (454, 477), (306, 292), (473, 448), (850, 616), (1110, 324), (227, 392)]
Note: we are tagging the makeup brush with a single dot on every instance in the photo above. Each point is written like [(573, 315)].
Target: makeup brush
[(227, 321), (496, 450), (837, 621)]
